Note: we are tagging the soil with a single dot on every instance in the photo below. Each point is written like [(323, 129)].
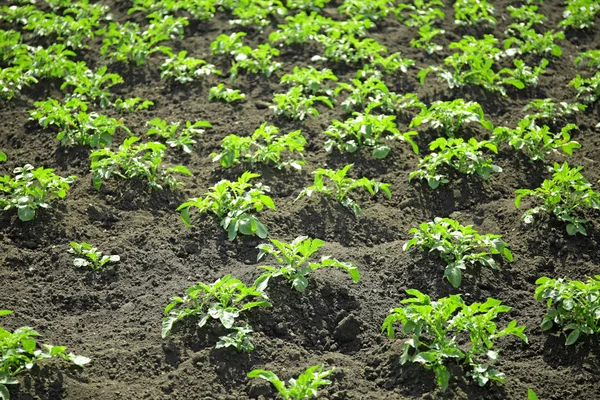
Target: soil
[(114, 316)]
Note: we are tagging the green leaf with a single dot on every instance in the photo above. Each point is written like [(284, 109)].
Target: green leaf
[(573, 336), (26, 213), (300, 283), (4, 395), (380, 152), (5, 312), (454, 275), (531, 395)]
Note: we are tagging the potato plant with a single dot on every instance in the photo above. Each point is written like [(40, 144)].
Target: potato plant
[(90, 86), (591, 56), (183, 69), (528, 41), (567, 192), (420, 13), (549, 111), (184, 138), (537, 142), (587, 88), (373, 10), (435, 326), (259, 60), (348, 49), (451, 116), (300, 28), (474, 12), (312, 81), (301, 388), (264, 146), (224, 300), (89, 256), (460, 247), (342, 186), (466, 157), (131, 161), (426, 34), (20, 350), (232, 203), (295, 105), (573, 305), (579, 14), (228, 95), (31, 189), (293, 261)]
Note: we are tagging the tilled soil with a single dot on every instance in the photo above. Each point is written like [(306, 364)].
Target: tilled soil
[(114, 317)]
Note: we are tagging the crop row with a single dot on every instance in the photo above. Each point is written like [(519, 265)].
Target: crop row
[(431, 325)]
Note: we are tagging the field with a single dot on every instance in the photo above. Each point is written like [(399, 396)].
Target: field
[(114, 315)]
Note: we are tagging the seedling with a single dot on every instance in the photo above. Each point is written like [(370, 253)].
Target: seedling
[(90, 257), (304, 387), (227, 45), (434, 327), (361, 94), (531, 42), (523, 75), (264, 146), (232, 203), (31, 189), (295, 105), (426, 34), (224, 301), (228, 95), (573, 305), (592, 57), (259, 60), (579, 14), (587, 88), (474, 12), (300, 28), (460, 247), (393, 63), (366, 130), (347, 49), (184, 139), (133, 161), (342, 186), (548, 110), (373, 10), (526, 15), (564, 194), (312, 81), (92, 86), (20, 351), (293, 261), (132, 104), (450, 117), (240, 339), (422, 12), (183, 69), (257, 13)]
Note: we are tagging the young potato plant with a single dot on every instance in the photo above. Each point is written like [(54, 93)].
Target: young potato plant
[(183, 69), (306, 5), (564, 194), (531, 42), (526, 15), (579, 14), (74, 124), (591, 56), (535, 141), (362, 93), (227, 45), (451, 116), (342, 186), (573, 305), (347, 49), (421, 12), (184, 139), (474, 12), (259, 60), (200, 9), (587, 88), (224, 300), (548, 110), (366, 130), (373, 10), (20, 351), (522, 75), (471, 64), (460, 247), (295, 105), (256, 13), (32, 189), (313, 82), (434, 327), (90, 257), (301, 388), (466, 157), (228, 95), (264, 146), (132, 104), (13, 80), (232, 203), (293, 261), (131, 161), (90, 86), (426, 34), (300, 28), (393, 63), (49, 62)]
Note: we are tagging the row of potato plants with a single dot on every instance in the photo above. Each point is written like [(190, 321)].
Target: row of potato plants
[(234, 202)]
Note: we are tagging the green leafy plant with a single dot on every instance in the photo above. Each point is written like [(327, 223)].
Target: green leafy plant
[(392, 63), (473, 12), (256, 13), (184, 139), (311, 80), (74, 124), (259, 60), (366, 130), (306, 5), (303, 387), (526, 15), (92, 86), (548, 110), (300, 28), (460, 247), (90, 257), (232, 203), (20, 351), (132, 104), (224, 300), (293, 261), (374, 10), (363, 93), (227, 45), (451, 116), (348, 49), (588, 88), (564, 194), (32, 189), (131, 161), (420, 12), (228, 95), (434, 327), (591, 56), (183, 69), (528, 41), (579, 14), (573, 305), (200, 9), (426, 34), (522, 75), (342, 186), (295, 105), (13, 80), (535, 141), (264, 146)]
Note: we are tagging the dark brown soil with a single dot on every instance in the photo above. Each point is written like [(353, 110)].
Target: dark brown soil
[(114, 317)]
